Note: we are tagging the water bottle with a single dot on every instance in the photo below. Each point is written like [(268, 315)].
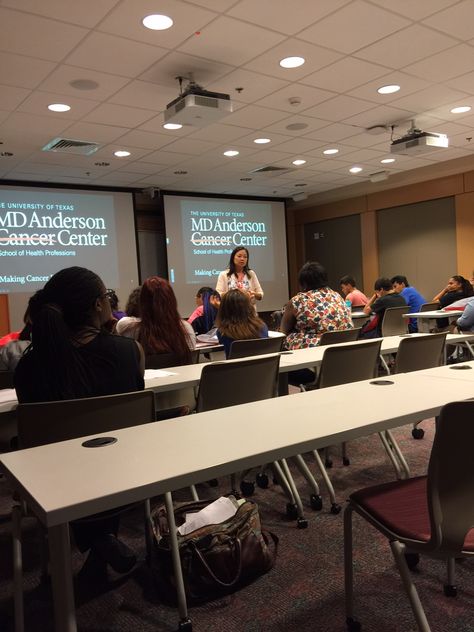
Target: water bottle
[(348, 305)]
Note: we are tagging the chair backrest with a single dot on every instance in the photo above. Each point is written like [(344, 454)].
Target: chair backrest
[(237, 382), (6, 379), (255, 346), (451, 477), (429, 307), (420, 352), (164, 360), (393, 323), (341, 335), (49, 422), (349, 363)]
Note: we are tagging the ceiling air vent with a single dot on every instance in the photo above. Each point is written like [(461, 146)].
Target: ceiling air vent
[(271, 170), (69, 146)]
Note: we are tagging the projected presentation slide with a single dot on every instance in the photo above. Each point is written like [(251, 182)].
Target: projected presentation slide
[(202, 232)]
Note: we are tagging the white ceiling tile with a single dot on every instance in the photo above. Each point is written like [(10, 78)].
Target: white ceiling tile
[(281, 100), (406, 47), (297, 145), (352, 27), (60, 81), (93, 132), (445, 65), (425, 100), (247, 140), (221, 5), (46, 39), (345, 74), (190, 146), (148, 95), (117, 55), (338, 108), (10, 98), (316, 57), (455, 20), (23, 72), (106, 153), (247, 86), (121, 115), (223, 38), (333, 133), (176, 64), (254, 117), (364, 155), (311, 124), (464, 83), (141, 167), (408, 84), (414, 10), (145, 140), (274, 14), (382, 115), (219, 133), (126, 21), (165, 158), (85, 13), (450, 154), (37, 103)]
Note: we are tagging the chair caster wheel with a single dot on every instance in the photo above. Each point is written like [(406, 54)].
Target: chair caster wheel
[(316, 502), (328, 464), (302, 523), (291, 511), (450, 590), (247, 488), (262, 481), (213, 482), (346, 461), (353, 625), (186, 625), (335, 508), (417, 433)]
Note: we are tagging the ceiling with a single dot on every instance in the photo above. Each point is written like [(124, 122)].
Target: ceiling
[(351, 48)]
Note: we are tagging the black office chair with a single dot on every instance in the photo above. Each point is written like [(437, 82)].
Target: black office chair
[(255, 346)]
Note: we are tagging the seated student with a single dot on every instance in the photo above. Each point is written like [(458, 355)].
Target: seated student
[(412, 297), (237, 320), (351, 293), (456, 289), (199, 303), (114, 304), (466, 321), (210, 304), (11, 352), (132, 308), (73, 355), (383, 297)]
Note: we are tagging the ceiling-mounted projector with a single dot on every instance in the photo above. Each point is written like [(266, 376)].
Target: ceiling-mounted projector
[(196, 106), (417, 142)]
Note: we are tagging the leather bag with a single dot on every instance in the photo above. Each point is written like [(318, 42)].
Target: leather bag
[(216, 559)]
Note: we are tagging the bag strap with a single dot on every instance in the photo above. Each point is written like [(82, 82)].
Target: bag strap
[(210, 571)]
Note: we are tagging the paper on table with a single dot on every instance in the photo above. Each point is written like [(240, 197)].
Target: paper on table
[(7, 395), (220, 510), (158, 373)]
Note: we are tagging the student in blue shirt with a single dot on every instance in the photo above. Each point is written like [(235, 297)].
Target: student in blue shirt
[(412, 297)]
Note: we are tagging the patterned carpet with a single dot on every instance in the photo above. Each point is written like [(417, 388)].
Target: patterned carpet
[(303, 592)]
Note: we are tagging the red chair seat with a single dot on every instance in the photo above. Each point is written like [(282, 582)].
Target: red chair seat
[(401, 507)]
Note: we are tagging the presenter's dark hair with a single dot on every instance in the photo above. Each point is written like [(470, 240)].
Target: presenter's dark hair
[(232, 264), (347, 280), (399, 278), (466, 287), (236, 317), (161, 329), (58, 312), (383, 283), (312, 276)]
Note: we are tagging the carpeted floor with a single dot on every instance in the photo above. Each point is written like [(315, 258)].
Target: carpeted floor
[(303, 592)]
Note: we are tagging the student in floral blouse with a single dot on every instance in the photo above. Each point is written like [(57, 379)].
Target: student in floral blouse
[(314, 310)]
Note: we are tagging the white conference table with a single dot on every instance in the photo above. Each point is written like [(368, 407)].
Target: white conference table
[(175, 378), (427, 320), (93, 480), (461, 371)]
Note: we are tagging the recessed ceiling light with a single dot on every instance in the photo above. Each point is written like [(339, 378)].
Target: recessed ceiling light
[(355, 169), (386, 161), (172, 126), (262, 141), (330, 152), (121, 153), (461, 109), (231, 153), (157, 22), (292, 62), (299, 162), (388, 89), (59, 107)]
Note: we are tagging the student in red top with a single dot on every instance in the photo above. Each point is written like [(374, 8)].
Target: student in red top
[(351, 293)]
